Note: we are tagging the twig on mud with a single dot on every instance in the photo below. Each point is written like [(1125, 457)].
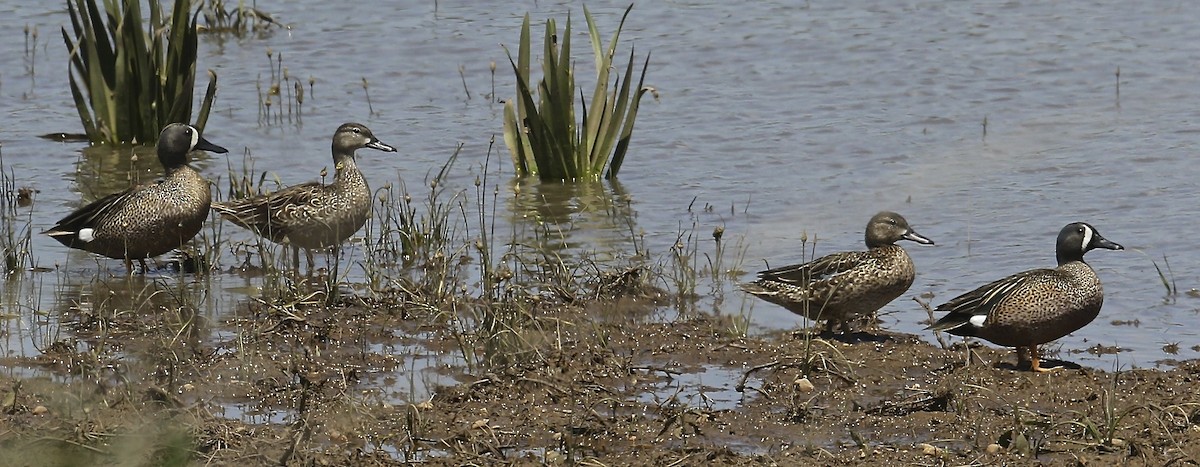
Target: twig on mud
[(741, 385), (936, 333), (288, 316), (921, 401)]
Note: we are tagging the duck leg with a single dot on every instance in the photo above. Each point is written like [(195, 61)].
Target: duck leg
[(1035, 364), (1023, 357)]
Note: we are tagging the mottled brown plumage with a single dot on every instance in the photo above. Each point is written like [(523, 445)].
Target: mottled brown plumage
[(842, 287), (1034, 307), (313, 216), (147, 220)]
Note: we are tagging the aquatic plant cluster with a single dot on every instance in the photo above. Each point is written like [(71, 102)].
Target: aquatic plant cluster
[(540, 128), (129, 82)]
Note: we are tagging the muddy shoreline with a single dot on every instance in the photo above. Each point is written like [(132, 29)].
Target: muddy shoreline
[(616, 388)]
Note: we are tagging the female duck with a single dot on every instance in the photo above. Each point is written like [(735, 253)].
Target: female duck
[(1034, 307), (148, 220), (311, 215), (843, 287)]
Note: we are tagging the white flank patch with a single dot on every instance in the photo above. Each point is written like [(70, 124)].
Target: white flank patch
[(977, 320), (1087, 238), (87, 235), (195, 138)]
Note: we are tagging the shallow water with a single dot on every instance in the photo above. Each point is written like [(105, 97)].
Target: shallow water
[(785, 120)]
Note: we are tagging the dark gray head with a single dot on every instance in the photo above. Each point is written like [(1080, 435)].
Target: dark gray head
[(353, 136), (1078, 238), (177, 140), (887, 228)]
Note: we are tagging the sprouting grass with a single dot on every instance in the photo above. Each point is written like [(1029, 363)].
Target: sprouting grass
[(128, 83), (31, 44), (284, 96), (1104, 431), (15, 239), (367, 91), (540, 126), (682, 270), (1166, 278)]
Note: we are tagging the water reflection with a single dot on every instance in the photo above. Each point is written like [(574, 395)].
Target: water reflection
[(574, 220), (131, 327)]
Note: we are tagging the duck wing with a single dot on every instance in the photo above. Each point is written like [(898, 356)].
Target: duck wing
[(816, 270), (972, 308), (271, 214), (68, 230)]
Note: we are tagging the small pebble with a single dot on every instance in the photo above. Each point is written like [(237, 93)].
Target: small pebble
[(40, 410), (804, 385), (994, 448)]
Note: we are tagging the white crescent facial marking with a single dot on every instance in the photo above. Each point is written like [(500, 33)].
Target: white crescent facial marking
[(87, 235), (195, 137), (1087, 238), (977, 320)]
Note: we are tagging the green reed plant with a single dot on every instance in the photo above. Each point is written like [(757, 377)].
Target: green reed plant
[(540, 128), (129, 82)]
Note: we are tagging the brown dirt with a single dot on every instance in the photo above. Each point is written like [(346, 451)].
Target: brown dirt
[(588, 382)]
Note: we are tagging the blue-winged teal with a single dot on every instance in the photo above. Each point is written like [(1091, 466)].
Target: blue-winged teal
[(311, 215), (843, 287), (147, 220), (1034, 307)]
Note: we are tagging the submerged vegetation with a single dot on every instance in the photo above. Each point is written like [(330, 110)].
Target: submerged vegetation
[(129, 82), (540, 126), (239, 20)]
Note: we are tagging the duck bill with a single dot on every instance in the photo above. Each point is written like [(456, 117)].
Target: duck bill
[(204, 145), (377, 144), (912, 235), (1101, 242)]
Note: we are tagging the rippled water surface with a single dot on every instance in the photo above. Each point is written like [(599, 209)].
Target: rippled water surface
[(989, 125)]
